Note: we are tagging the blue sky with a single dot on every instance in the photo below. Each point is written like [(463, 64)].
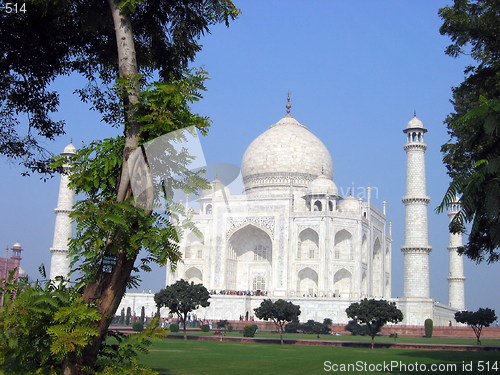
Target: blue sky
[(356, 71)]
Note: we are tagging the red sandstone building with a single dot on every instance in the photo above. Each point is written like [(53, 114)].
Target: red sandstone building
[(14, 262)]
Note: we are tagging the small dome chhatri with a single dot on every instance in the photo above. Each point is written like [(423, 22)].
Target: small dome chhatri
[(415, 122), (69, 150), (322, 185), (349, 204)]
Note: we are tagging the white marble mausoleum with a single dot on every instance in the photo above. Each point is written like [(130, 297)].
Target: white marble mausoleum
[(292, 235)]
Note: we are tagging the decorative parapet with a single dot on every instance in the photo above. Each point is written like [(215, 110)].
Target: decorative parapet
[(417, 249), (58, 251), (415, 147), (270, 179), (62, 211), (456, 278), (425, 200)]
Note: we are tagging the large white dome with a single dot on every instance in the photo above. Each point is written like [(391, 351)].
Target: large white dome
[(287, 153)]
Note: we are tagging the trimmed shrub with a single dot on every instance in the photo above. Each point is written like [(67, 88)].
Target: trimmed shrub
[(205, 327), (138, 327), (127, 317), (122, 317), (230, 328), (313, 327), (357, 329), (174, 327), (249, 331), (143, 315), (429, 325), (292, 327)]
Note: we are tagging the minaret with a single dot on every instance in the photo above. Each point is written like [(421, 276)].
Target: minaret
[(416, 248), (456, 279), (63, 230)]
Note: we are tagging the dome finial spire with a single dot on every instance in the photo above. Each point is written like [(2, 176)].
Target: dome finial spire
[(288, 105), (414, 113)]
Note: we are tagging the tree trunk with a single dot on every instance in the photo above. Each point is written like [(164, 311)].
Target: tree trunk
[(107, 289)]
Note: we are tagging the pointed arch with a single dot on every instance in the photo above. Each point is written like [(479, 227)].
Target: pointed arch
[(308, 247), (208, 209), (364, 249), (364, 284), (249, 251), (342, 283), (318, 206), (307, 282), (195, 243), (194, 275), (378, 269), (343, 245)]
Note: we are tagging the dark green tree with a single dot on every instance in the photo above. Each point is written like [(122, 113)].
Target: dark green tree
[(133, 54), (375, 314), (313, 327), (181, 298), (327, 322), (280, 312), (223, 324), (143, 315), (429, 326), (357, 329), (477, 320), (293, 327), (122, 316), (128, 316), (53, 38), (472, 155)]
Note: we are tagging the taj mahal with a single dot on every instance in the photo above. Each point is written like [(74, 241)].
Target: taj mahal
[(291, 235)]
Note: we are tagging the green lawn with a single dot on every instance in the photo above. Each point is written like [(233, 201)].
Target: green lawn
[(347, 337), (179, 357)]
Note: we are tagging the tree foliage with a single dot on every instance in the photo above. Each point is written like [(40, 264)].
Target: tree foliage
[(477, 320), (472, 155), (134, 56), (375, 314), (46, 325), (42, 326), (181, 298), (62, 37), (315, 328), (280, 312), (357, 329), (224, 324)]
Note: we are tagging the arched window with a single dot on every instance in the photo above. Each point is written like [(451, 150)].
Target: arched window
[(259, 283), (317, 206), (260, 253), (342, 283), (330, 205), (364, 249), (307, 282), (343, 245), (208, 210), (193, 274), (308, 244), (378, 270), (194, 246)]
